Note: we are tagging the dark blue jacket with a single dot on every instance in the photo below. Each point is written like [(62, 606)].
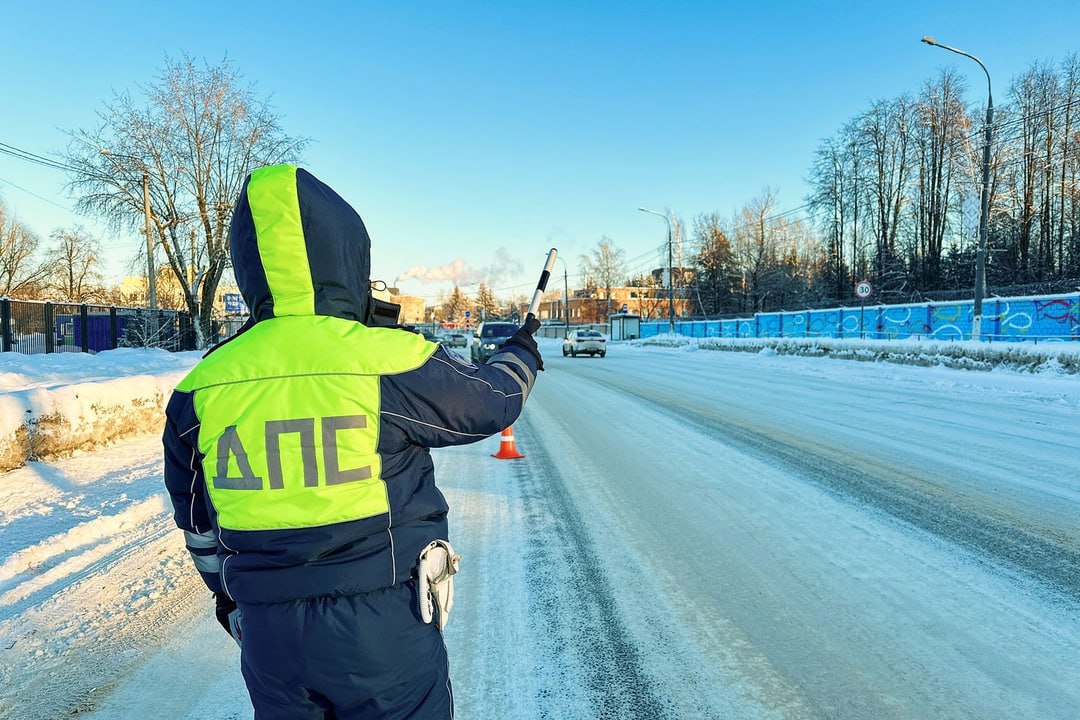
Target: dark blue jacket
[(297, 454)]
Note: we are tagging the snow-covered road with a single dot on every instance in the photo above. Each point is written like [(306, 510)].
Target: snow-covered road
[(691, 535)]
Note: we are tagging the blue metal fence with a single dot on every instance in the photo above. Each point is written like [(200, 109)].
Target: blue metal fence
[(1042, 318), (30, 327)]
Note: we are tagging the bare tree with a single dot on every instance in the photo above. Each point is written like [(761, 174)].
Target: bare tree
[(790, 277), (885, 129), (605, 266), (678, 232), (853, 159), (1070, 159), (197, 132), (21, 272), (943, 126), (75, 257), (827, 198), (1035, 204), (513, 306), (755, 248)]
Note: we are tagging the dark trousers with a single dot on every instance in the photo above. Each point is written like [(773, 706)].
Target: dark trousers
[(363, 657)]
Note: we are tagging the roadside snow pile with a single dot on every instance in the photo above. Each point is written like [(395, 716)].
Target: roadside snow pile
[(43, 414), (1056, 358)]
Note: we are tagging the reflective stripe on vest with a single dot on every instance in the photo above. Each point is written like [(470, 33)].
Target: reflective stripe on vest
[(289, 415), (275, 210)]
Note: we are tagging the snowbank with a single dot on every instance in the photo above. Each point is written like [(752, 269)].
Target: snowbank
[(43, 414), (54, 405), (1055, 358)]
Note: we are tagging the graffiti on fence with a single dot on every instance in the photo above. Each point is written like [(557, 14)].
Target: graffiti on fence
[(1043, 318)]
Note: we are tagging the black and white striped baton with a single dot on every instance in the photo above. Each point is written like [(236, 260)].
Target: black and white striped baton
[(542, 285)]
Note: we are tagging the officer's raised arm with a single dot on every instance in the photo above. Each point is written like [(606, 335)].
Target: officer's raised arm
[(448, 401)]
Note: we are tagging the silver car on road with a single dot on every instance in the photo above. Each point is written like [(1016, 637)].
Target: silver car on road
[(584, 342)]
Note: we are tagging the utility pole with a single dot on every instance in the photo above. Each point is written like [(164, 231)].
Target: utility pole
[(566, 295), (566, 298), (671, 282), (151, 277), (150, 274)]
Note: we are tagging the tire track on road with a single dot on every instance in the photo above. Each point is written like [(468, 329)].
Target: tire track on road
[(617, 678), (891, 491)]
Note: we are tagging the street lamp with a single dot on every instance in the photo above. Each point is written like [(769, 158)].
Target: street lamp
[(984, 207), (566, 300), (671, 277), (150, 277)]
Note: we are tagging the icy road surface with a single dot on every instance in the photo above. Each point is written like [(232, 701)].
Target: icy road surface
[(691, 535)]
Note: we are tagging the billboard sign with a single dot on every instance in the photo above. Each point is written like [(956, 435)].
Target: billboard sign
[(235, 304)]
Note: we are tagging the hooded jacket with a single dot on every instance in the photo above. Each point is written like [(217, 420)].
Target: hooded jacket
[(297, 453)]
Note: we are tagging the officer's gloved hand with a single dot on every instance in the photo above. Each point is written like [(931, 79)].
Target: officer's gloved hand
[(523, 338), (228, 615)]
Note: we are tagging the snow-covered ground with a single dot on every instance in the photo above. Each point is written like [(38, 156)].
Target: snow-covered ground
[(692, 535), (1035, 357), (56, 404)]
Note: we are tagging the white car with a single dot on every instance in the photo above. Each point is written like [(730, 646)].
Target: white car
[(584, 342), (453, 340)]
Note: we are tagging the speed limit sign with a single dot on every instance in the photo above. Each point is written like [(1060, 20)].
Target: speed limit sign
[(863, 289)]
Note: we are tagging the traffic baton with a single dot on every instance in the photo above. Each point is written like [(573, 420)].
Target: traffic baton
[(542, 285)]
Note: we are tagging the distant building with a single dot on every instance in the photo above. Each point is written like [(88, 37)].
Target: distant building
[(590, 305), (412, 307), (132, 292)]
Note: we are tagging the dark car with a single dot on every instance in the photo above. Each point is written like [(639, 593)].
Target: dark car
[(489, 337)]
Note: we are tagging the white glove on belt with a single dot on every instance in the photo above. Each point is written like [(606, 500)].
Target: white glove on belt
[(435, 580), (236, 626)]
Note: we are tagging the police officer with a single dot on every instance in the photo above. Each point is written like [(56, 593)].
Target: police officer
[(297, 461)]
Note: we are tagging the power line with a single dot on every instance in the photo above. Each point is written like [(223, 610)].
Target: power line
[(39, 197), (36, 159), (49, 163)]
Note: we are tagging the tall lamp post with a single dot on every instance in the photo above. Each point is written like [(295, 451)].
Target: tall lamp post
[(150, 275), (671, 277), (566, 298), (984, 208)]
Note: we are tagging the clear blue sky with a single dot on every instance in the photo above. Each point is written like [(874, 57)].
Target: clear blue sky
[(485, 133)]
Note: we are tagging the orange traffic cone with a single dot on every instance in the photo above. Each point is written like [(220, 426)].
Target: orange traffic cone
[(507, 451)]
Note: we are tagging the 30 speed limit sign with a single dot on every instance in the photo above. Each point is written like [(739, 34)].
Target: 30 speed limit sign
[(863, 289)]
